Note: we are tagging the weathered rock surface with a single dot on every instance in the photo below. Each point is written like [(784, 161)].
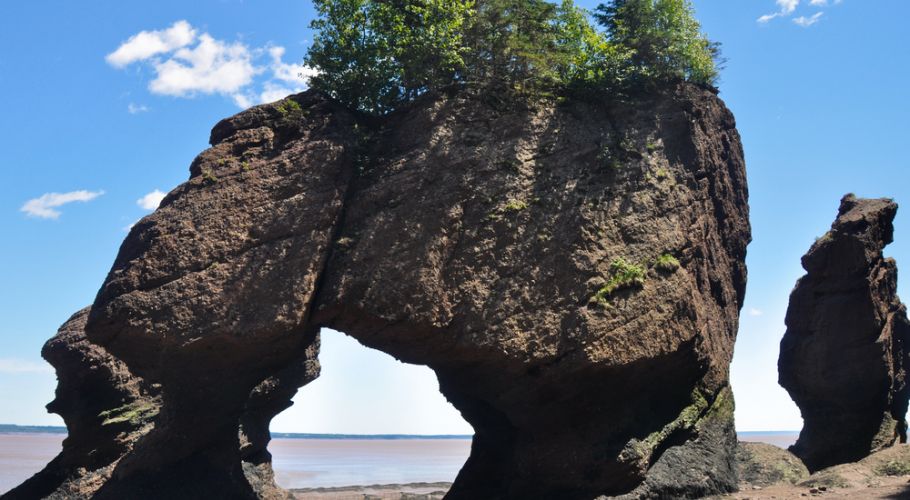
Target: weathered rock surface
[(882, 475), (762, 465), (844, 356), (486, 243), (104, 406)]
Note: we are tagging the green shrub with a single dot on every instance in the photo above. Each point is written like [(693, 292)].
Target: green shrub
[(666, 263), (289, 107), (514, 206), (623, 275)]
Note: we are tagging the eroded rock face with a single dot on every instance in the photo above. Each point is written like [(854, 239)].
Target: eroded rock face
[(105, 407), (763, 465), (844, 356), (572, 273)]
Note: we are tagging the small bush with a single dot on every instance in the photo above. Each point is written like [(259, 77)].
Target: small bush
[(666, 263), (514, 206), (623, 274), (288, 107)]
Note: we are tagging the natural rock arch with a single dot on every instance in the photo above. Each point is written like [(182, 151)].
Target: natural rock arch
[(466, 237)]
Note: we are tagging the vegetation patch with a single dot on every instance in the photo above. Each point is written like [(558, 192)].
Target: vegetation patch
[(209, 176), (514, 206), (289, 107), (136, 413), (375, 56), (893, 468), (623, 275), (688, 418), (666, 263)]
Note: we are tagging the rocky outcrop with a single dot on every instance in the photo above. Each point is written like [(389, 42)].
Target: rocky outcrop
[(572, 273), (763, 465), (844, 356), (104, 406)]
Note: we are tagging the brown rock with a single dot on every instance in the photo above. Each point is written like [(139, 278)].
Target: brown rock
[(105, 407), (488, 244), (762, 465), (844, 356)]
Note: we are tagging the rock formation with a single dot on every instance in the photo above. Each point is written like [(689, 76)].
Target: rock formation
[(105, 409), (844, 356), (762, 465), (573, 274)]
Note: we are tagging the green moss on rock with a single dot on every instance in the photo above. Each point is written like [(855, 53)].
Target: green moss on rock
[(136, 413)]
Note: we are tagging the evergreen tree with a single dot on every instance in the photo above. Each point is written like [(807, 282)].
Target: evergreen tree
[(659, 40), (374, 55)]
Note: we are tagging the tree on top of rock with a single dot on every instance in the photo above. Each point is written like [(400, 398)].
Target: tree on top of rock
[(660, 40), (375, 55)]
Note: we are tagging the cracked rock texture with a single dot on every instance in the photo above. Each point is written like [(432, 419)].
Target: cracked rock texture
[(844, 356), (482, 240)]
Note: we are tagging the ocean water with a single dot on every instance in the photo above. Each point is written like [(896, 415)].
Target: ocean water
[(782, 439), (316, 463), (22, 455)]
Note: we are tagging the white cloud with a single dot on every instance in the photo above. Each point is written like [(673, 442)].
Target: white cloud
[(210, 67), (286, 79), (186, 65), (786, 8), (135, 109), (18, 366), (151, 200), (755, 312), (805, 22), (146, 44), (43, 206)]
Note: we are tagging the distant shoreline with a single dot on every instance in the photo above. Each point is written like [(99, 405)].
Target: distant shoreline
[(53, 429)]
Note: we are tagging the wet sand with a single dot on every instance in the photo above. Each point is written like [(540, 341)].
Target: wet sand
[(325, 463), (327, 469)]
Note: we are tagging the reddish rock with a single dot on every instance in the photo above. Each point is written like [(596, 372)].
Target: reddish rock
[(486, 243), (844, 356)]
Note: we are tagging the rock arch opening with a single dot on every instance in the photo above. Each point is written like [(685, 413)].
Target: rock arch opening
[(362, 394)]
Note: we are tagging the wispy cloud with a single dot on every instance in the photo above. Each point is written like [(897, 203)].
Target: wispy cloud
[(187, 64), (44, 207), (805, 22), (18, 366), (755, 312), (786, 8), (135, 109), (151, 200)]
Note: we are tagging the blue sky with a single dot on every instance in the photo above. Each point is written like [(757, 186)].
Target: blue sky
[(104, 120)]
